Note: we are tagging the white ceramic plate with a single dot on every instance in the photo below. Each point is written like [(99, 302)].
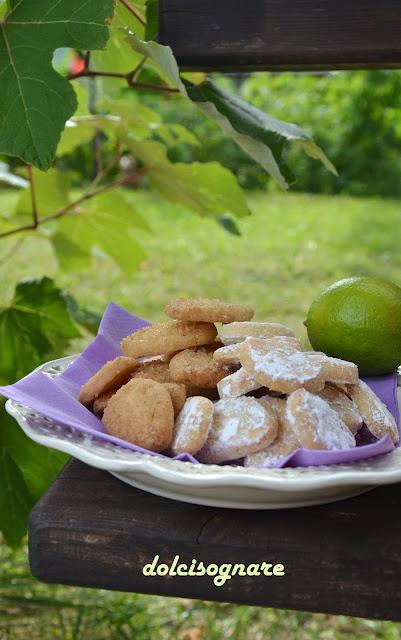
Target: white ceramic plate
[(211, 485)]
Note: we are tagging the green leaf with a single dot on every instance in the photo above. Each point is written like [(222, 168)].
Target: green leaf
[(34, 320), (37, 464), (108, 222), (118, 56), (51, 194), (229, 225), (258, 134), (83, 316), (37, 101), (15, 500), (163, 58), (207, 188), (152, 20)]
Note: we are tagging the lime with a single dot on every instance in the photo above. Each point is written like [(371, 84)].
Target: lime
[(359, 319)]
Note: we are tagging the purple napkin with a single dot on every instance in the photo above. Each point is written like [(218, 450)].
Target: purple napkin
[(55, 397)]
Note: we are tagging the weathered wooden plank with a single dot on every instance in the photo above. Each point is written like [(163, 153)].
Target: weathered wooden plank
[(344, 558), (282, 34)]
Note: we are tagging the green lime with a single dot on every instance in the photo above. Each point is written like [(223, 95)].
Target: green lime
[(359, 319)]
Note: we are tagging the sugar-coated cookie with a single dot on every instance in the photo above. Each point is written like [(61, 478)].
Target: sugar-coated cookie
[(113, 374), (345, 407), (278, 369), (316, 424), (285, 443), (240, 426), (238, 331), (154, 369), (142, 413), (237, 384), (228, 354), (374, 412), (167, 337), (207, 310), (192, 426), (196, 367), (178, 395), (336, 370)]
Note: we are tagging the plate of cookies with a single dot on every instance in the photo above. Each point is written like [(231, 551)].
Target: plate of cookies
[(215, 408)]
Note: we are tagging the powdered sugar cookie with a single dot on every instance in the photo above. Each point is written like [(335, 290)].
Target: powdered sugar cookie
[(228, 354), (345, 407), (113, 374), (316, 424), (336, 370), (178, 395), (192, 426), (374, 412), (141, 412), (240, 426), (285, 443), (167, 337), (196, 367), (237, 384), (238, 331), (207, 310), (279, 369)]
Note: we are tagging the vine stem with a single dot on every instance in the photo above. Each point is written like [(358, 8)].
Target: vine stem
[(88, 195), (87, 73), (134, 12), (35, 215)]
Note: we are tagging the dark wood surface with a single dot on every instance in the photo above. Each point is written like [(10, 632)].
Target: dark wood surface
[(92, 530), (282, 34)]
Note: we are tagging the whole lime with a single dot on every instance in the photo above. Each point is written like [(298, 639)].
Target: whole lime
[(359, 319)]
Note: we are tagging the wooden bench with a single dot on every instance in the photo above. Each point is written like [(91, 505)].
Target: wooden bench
[(92, 530)]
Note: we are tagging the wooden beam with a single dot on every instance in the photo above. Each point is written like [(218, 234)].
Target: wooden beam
[(230, 35), (342, 558)]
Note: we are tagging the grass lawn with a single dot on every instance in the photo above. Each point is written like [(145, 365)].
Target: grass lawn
[(291, 248)]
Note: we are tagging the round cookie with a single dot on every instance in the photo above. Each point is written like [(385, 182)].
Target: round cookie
[(207, 310), (196, 367), (114, 373), (228, 354), (192, 426), (345, 407), (237, 384), (285, 443), (316, 424), (336, 370), (100, 403), (374, 412), (240, 426), (154, 369), (142, 413), (238, 331), (280, 369), (167, 337), (178, 395)]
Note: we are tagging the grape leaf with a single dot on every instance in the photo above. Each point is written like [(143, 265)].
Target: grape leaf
[(36, 317), (37, 101), (37, 464), (152, 20), (207, 188), (51, 193), (258, 134), (15, 500), (83, 316), (106, 222)]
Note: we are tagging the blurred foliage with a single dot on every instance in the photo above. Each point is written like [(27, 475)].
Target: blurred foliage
[(354, 115)]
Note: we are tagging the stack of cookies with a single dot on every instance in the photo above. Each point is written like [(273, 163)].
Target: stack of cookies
[(244, 391)]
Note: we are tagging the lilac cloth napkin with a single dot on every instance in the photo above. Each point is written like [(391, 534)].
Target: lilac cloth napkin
[(56, 397)]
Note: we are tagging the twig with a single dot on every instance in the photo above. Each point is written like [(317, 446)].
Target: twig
[(131, 76), (150, 85), (86, 73), (134, 12), (33, 197), (70, 206)]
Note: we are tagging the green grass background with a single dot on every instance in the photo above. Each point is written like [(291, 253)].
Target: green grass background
[(291, 247)]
